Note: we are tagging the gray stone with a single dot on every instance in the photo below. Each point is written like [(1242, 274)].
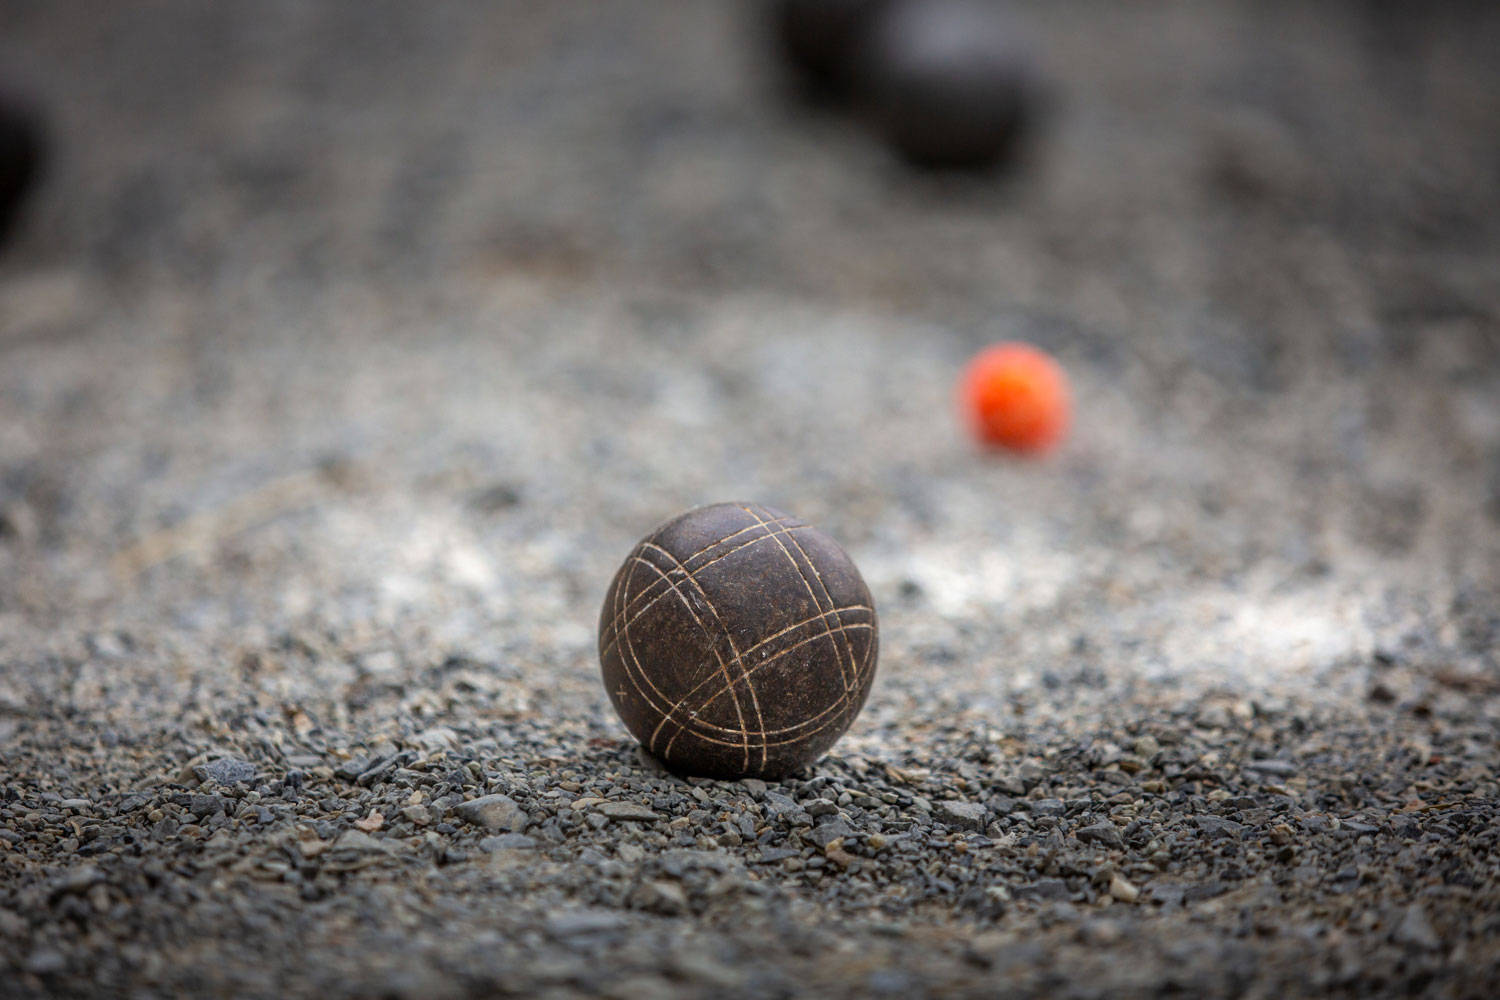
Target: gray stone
[(826, 833), (203, 806), (77, 880), (493, 812), (694, 966), (1001, 805), (1217, 828), (777, 803), (45, 962), (353, 768), (359, 842), (1275, 768), (11, 925), (1416, 931), (508, 842), (1043, 888), (1105, 833), (627, 811), (228, 771), (436, 738), (1011, 786), (961, 814), (1167, 895), (1202, 891), (662, 896), (1031, 773), (584, 923)]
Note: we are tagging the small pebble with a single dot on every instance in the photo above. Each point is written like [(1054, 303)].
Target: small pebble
[(962, 815), (1121, 889), (628, 811), (493, 812)]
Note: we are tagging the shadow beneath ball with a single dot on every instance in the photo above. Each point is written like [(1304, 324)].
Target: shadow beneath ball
[(655, 765)]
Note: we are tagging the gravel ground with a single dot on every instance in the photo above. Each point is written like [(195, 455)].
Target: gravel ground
[(350, 347)]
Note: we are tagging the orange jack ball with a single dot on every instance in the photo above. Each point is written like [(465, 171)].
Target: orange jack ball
[(1015, 397)]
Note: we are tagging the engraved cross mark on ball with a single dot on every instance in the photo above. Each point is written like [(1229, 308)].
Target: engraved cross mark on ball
[(738, 641)]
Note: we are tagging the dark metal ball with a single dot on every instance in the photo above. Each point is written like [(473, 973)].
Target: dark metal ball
[(947, 82), (737, 641), (22, 149), (821, 39)]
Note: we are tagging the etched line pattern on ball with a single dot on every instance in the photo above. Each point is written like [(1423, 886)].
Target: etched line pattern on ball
[(629, 605), (696, 725), (713, 643), (849, 684), (739, 659), (619, 627), (845, 698), (703, 728), (848, 649), (641, 675), (785, 525)]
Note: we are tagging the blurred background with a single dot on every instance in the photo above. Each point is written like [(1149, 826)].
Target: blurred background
[(315, 312), (346, 348)]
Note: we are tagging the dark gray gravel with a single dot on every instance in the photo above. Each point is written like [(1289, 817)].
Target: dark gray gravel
[(349, 348)]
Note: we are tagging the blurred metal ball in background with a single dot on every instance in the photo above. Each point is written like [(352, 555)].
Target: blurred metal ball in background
[(947, 82)]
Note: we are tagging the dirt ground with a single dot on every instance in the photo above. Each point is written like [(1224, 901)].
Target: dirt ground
[(349, 347)]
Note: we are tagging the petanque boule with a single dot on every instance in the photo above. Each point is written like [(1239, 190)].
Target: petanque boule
[(22, 156), (947, 82), (737, 641)]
